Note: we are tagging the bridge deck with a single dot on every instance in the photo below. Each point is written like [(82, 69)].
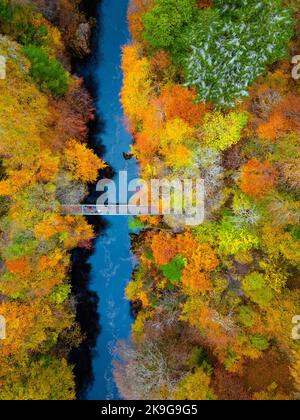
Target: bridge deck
[(109, 210)]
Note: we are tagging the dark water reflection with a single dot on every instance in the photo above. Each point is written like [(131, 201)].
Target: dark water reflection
[(110, 267)]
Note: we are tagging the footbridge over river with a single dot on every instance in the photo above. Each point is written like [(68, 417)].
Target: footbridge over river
[(109, 210)]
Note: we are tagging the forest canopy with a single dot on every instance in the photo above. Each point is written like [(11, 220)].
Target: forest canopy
[(222, 49), (45, 162), (215, 99)]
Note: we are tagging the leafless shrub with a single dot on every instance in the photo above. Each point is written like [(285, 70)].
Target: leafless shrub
[(142, 373), (264, 103)]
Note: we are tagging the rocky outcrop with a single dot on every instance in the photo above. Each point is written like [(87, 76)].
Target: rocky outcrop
[(81, 43)]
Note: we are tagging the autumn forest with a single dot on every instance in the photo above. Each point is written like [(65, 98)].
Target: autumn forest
[(210, 90)]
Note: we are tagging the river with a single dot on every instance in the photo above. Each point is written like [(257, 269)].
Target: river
[(112, 262)]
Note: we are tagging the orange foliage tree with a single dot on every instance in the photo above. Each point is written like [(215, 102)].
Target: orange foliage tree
[(201, 258), (19, 266), (136, 11), (201, 261), (196, 274), (147, 142), (164, 248), (258, 178), (160, 60), (285, 116), (70, 229), (179, 102)]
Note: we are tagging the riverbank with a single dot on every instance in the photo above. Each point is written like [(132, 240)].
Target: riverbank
[(43, 147), (86, 301)]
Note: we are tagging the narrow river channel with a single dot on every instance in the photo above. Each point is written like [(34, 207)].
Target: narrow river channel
[(112, 262)]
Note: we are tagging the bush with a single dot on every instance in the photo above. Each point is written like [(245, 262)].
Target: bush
[(47, 72), (60, 293), (173, 270), (259, 343), (256, 289), (234, 239), (245, 316)]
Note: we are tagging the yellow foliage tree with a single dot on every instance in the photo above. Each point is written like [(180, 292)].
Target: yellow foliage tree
[(194, 386), (136, 85), (82, 162)]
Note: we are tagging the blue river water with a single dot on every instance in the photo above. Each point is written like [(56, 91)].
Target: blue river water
[(112, 262)]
